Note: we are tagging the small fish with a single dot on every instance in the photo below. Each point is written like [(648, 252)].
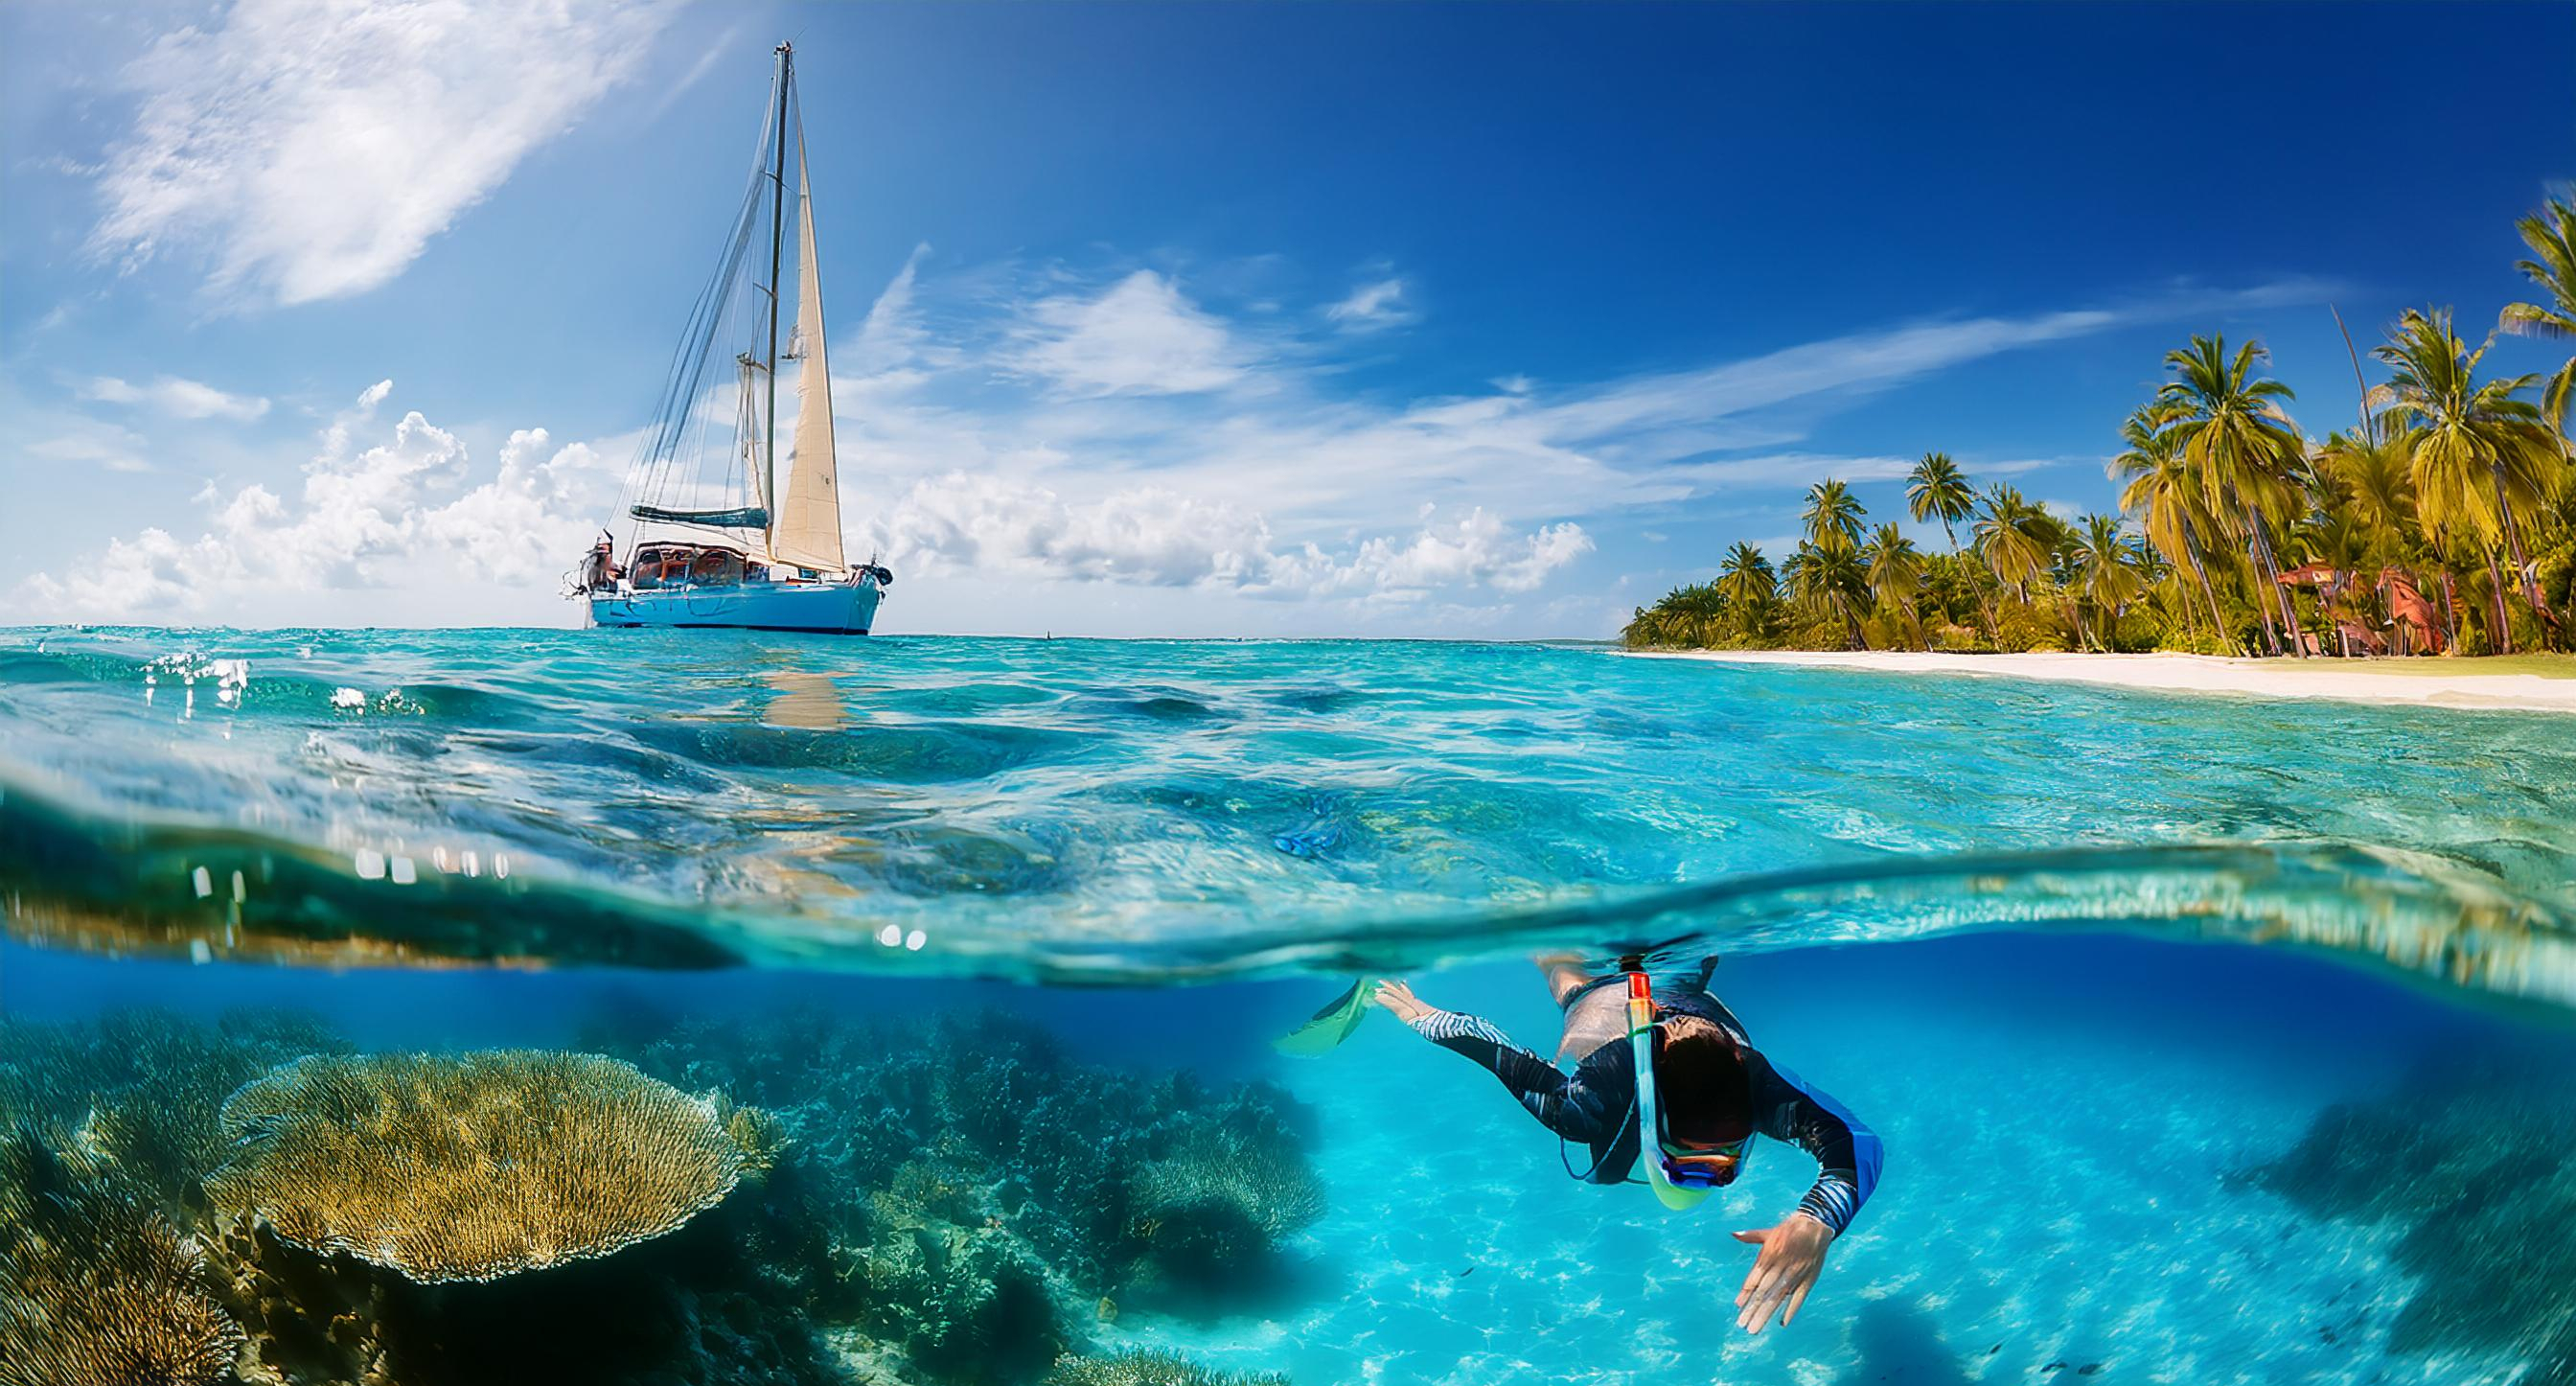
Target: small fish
[(1471, 1270)]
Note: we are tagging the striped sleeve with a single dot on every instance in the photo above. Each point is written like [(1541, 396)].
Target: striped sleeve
[(1848, 1154), (1561, 1104)]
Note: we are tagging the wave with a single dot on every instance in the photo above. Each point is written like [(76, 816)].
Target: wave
[(132, 884), (1157, 812)]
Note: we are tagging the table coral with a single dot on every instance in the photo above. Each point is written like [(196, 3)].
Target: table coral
[(477, 1166)]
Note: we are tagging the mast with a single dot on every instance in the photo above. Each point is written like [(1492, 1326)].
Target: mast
[(777, 243)]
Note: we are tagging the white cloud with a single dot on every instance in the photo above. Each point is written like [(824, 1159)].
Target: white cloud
[(311, 150), (92, 444), (1372, 306), (180, 399), (1140, 337), (1276, 481), (1151, 536), (1110, 456), (399, 514)]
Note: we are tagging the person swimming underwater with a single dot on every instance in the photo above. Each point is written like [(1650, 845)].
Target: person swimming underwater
[(1711, 1093)]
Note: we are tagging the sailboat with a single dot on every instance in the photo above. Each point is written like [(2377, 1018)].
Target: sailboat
[(720, 530)]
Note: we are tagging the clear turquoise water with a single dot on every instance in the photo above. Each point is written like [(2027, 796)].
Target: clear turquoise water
[(2078, 956)]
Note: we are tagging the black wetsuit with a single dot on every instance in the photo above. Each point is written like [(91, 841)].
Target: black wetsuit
[(1597, 1104)]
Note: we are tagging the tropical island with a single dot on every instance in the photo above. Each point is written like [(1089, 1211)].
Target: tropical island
[(2443, 523)]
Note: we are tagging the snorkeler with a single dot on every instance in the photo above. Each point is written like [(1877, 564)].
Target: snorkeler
[(1716, 1093)]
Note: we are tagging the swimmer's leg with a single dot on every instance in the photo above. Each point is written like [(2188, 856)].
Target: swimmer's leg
[(1564, 973)]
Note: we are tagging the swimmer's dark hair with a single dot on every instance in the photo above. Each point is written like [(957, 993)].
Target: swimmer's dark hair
[(1699, 1073)]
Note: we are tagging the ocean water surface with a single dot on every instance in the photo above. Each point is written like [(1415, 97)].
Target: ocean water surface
[(2211, 1039)]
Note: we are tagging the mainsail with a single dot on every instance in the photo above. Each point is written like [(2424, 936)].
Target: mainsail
[(808, 531)]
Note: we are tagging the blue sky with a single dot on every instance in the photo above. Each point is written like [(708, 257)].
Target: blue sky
[(1441, 320)]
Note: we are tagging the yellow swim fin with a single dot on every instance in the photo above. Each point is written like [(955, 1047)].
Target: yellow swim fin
[(1331, 1025)]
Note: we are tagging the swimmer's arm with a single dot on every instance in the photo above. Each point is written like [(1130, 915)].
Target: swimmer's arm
[(1566, 1107), (1847, 1159), (1848, 1154)]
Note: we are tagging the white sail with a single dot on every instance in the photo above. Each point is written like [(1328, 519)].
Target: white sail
[(807, 531)]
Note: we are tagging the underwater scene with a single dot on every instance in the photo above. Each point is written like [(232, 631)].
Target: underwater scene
[(448, 1008)]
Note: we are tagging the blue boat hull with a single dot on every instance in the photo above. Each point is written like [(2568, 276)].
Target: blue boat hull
[(834, 608)]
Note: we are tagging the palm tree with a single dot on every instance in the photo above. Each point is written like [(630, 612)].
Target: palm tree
[(2375, 484), (1937, 490), (1896, 575), (2162, 492), (2106, 569), (2551, 234), (1746, 581), (2479, 456), (1832, 509), (1827, 575), (2015, 546), (2231, 428)]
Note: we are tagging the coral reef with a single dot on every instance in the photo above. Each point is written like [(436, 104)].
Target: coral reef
[(143, 1088), (97, 1286), (2479, 1171), (475, 1166), (1221, 1201), (1148, 1369), (970, 1195), (248, 1203)]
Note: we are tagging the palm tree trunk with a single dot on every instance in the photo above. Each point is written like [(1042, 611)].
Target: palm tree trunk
[(2521, 563), (2191, 550), (1843, 605), (1973, 585), (2271, 573), (2450, 613), (2262, 608), (2503, 618)]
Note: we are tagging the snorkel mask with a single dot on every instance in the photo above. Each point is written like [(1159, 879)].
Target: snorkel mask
[(1681, 1174)]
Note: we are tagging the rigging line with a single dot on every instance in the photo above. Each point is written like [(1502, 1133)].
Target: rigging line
[(682, 399), (671, 412), (708, 303), (656, 448)]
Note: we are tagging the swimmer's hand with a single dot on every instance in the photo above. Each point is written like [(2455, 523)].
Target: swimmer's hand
[(1793, 1255), (1400, 1001)]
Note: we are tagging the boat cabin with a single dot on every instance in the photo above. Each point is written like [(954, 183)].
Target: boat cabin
[(686, 565)]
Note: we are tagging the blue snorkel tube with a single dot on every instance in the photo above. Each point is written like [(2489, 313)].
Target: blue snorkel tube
[(1641, 1046)]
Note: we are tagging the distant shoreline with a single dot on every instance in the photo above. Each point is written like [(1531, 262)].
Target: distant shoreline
[(2365, 681)]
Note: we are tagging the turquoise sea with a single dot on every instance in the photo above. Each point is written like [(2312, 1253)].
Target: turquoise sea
[(2210, 1039)]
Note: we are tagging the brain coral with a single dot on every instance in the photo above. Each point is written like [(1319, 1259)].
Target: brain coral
[(475, 1166), (97, 1288)]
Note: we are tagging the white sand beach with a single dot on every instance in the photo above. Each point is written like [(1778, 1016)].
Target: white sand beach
[(2425, 681)]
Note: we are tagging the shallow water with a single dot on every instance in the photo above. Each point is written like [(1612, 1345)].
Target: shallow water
[(2088, 961)]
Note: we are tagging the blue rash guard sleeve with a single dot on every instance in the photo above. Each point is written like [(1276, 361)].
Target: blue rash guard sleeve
[(1569, 1107), (1848, 1154)]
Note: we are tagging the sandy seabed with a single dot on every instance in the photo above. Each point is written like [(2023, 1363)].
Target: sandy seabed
[(2350, 680)]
